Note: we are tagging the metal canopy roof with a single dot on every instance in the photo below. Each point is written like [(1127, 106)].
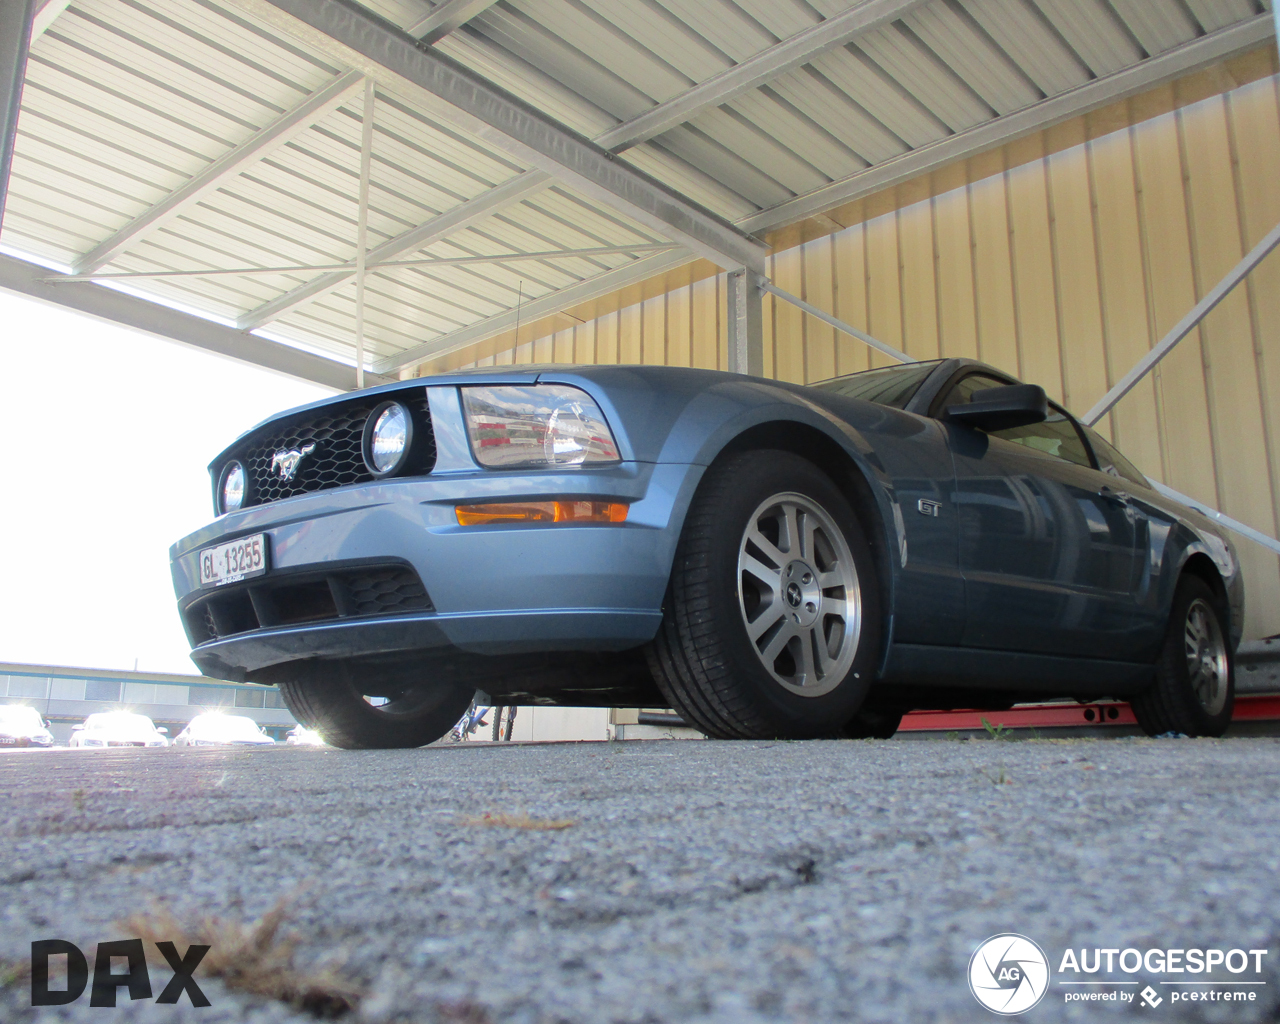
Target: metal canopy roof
[(538, 154)]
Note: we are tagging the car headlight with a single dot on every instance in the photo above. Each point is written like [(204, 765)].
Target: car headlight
[(538, 425), (388, 439), (233, 487)]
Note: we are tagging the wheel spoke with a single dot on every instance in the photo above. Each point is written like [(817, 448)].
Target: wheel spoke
[(825, 661), (761, 624), (780, 640), (806, 657), (766, 574), (808, 529), (767, 547), (788, 532)]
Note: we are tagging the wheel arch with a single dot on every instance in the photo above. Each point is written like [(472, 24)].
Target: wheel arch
[(1200, 565)]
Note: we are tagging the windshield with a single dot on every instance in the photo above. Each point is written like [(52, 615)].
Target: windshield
[(120, 722), (888, 385), (227, 727), (18, 716)]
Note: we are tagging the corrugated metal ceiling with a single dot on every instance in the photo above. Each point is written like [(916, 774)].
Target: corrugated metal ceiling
[(128, 101)]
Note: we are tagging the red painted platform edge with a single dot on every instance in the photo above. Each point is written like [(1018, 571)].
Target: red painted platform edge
[(1048, 716)]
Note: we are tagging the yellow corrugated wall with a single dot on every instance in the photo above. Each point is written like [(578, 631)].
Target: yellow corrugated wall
[(1061, 258)]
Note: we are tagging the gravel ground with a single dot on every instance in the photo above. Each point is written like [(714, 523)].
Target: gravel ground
[(717, 882)]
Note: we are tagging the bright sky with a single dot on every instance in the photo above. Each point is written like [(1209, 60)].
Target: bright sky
[(113, 431)]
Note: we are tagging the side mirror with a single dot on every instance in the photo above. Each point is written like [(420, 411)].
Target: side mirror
[(1014, 405), (77, 728), (163, 730)]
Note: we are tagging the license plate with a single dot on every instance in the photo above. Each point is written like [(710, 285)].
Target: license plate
[(229, 563)]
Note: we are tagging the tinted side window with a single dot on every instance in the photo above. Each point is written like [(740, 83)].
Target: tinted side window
[(1056, 436), (1111, 461)]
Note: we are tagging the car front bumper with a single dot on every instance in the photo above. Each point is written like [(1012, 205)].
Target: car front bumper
[(493, 589)]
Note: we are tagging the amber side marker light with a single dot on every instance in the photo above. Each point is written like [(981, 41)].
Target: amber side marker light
[(543, 512)]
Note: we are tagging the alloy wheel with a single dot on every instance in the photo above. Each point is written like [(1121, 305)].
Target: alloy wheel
[(1206, 652), (799, 594)]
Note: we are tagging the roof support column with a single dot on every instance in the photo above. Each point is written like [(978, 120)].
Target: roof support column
[(746, 323), (15, 35), (362, 228)]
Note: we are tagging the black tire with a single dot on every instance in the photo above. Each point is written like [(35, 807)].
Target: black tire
[(873, 724), (327, 697), (1194, 691), (703, 658)]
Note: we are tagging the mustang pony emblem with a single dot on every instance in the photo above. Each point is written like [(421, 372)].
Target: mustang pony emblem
[(286, 462)]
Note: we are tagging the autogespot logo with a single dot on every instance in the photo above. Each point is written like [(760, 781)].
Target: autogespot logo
[(1008, 973)]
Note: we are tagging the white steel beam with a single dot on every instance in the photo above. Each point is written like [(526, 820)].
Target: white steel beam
[(15, 30), (793, 52), (583, 291), (1257, 536), (1184, 326), (141, 314), (426, 261), (316, 106), (839, 325), (1182, 60), (447, 223), (480, 108), (47, 12), (446, 17)]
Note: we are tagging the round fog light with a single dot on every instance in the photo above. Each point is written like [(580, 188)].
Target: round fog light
[(231, 490), (388, 434)]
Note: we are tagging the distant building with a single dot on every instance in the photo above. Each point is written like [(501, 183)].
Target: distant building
[(66, 696)]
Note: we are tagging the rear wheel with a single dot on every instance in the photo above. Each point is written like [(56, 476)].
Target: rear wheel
[(772, 620), (331, 698), (1194, 691)]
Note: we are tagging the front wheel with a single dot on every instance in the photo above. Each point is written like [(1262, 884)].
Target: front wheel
[(771, 625), (1194, 691), (352, 709)]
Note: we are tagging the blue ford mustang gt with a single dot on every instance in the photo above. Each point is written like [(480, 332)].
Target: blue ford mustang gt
[(768, 559)]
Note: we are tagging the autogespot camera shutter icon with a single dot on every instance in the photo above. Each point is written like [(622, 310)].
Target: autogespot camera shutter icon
[(1008, 973)]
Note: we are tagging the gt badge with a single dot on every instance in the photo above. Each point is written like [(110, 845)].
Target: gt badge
[(928, 508)]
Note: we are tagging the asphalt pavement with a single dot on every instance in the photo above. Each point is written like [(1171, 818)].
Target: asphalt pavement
[(649, 882)]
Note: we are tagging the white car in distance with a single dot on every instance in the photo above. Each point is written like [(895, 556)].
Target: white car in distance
[(22, 726), (214, 729), (118, 729), (301, 736)]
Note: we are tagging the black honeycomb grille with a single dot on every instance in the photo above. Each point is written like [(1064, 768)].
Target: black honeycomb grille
[(334, 461), (296, 598), (385, 592)]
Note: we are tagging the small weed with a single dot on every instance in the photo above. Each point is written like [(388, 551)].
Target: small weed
[(997, 732), (1000, 778), (953, 735), (77, 798), (521, 820), (252, 957)]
